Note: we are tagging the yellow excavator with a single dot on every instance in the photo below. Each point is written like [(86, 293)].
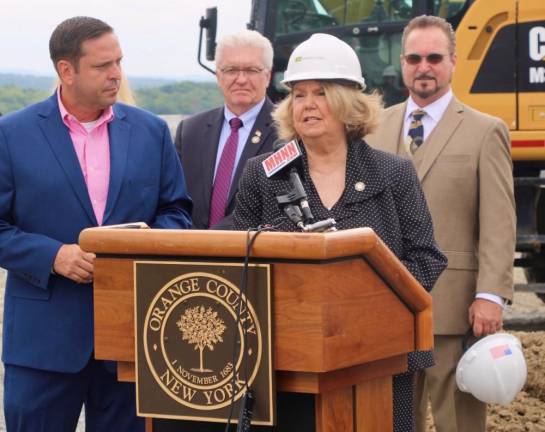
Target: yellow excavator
[(500, 70)]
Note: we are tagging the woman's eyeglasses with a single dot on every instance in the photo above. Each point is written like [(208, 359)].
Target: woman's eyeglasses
[(433, 58)]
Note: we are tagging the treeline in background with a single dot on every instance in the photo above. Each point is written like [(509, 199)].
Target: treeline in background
[(156, 95)]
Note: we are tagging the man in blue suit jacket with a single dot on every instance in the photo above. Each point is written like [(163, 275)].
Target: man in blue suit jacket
[(46, 199)]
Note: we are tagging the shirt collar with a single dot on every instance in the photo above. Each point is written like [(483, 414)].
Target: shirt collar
[(247, 117), (435, 110), (69, 120)]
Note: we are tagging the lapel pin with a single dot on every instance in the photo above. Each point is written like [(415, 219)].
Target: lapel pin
[(359, 186), (256, 138)]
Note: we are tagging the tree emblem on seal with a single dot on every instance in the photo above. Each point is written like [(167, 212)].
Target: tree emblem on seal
[(202, 327)]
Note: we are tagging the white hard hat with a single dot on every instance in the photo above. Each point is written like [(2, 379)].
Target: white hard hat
[(324, 57), (493, 369)]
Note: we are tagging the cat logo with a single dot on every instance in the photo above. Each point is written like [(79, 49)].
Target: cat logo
[(536, 50), (537, 43)]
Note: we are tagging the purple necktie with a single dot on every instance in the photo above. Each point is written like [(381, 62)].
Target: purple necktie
[(222, 182)]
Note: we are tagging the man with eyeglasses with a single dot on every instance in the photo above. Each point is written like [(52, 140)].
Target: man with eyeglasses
[(215, 145), (463, 161)]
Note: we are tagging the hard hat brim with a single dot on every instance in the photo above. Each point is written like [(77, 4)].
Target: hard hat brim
[(341, 79)]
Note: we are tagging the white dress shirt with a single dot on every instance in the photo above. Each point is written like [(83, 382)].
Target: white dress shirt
[(248, 120)]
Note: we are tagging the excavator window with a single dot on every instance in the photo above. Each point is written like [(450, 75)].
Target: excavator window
[(448, 8), (294, 16)]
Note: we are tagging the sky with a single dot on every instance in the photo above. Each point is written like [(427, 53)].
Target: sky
[(159, 37)]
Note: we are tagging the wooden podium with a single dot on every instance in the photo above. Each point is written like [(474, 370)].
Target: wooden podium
[(345, 311)]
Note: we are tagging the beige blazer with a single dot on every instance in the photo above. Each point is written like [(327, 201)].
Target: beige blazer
[(465, 169)]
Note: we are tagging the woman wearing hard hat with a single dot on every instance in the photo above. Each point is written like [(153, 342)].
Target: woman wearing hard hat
[(328, 114)]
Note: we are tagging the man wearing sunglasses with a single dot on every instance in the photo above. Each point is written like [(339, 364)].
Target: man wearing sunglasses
[(463, 161), (215, 145)]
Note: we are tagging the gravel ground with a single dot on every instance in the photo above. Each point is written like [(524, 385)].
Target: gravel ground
[(525, 414)]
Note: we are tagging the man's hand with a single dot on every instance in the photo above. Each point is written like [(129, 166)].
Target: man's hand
[(485, 316), (75, 264)]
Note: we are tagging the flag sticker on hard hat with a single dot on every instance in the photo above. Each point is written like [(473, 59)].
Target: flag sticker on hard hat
[(500, 351)]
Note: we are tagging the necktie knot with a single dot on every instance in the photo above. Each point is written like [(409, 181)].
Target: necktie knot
[(235, 123), (418, 114)]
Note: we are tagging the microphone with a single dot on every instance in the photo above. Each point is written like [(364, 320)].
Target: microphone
[(321, 226), (246, 411), (294, 213), (297, 185), (288, 155), (285, 154)]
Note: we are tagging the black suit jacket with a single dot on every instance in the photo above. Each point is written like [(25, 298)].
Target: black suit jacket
[(196, 142), (381, 192)]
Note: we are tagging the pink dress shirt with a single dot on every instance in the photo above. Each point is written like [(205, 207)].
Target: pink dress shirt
[(92, 146)]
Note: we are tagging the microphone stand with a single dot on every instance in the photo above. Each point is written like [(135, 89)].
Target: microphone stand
[(295, 204), (321, 226)]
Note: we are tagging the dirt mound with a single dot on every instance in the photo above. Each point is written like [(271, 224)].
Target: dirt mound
[(524, 414), (534, 352)]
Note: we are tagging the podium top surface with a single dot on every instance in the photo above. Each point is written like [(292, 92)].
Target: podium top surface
[(268, 245), (280, 245)]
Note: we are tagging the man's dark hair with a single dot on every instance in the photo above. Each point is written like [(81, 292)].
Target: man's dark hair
[(66, 40)]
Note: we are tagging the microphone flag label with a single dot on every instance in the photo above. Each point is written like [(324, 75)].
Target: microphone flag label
[(281, 158)]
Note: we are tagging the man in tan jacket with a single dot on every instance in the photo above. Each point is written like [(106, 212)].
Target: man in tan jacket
[(463, 161)]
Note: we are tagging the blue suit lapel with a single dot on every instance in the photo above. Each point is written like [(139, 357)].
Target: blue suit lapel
[(58, 138), (119, 132)]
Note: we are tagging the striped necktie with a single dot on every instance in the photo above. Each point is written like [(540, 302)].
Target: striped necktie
[(416, 130), (224, 173)]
